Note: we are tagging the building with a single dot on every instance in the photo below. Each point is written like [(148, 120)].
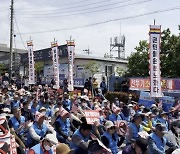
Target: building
[(4, 57), (107, 66)]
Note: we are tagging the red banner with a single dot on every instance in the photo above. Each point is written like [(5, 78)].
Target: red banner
[(144, 84)]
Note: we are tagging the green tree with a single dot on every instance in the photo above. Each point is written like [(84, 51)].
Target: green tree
[(138, 61), (92, 68), (38, 68), (2, 67), (120, 71)]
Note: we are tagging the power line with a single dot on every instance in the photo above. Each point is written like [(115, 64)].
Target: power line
[(106, 21), (78, 9), (67, 8), (145, 1), (20, 34)]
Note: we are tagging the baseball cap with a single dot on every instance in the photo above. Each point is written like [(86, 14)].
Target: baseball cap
[(109, 124), (51, 138)]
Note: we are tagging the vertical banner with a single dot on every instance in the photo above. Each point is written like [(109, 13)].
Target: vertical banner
[(31, 62), (70, 47), (55, 59), (155, 74)]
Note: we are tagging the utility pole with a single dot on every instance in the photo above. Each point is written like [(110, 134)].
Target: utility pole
[(11, 39)]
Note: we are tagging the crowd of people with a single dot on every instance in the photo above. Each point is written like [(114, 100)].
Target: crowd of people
[(45, 121)]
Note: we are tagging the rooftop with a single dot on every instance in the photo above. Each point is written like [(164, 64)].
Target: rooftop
[(80, 56), (5, 48)]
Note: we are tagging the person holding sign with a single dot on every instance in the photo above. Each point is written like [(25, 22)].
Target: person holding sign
[(80, 139)]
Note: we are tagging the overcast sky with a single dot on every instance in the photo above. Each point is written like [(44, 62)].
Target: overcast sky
[(45, 20)]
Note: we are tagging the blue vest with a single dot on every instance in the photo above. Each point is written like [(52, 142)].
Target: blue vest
[(65, 126), (160, 145), (49, 112), (136, 130), (112, 143), (16, 123), (77, 133), (38, 149), (125, 118), (34, 109), (15, 104), (39, 131), (67, 104), (113, 117)]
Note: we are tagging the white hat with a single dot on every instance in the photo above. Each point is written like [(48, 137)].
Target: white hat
[(51, 138), (130, 105), (153, 105), (56, 110), (109, 124)]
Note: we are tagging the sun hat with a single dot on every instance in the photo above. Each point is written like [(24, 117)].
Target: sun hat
[(51, 138), (62, 148)]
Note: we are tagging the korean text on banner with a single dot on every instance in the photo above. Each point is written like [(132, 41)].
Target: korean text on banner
[(70, 47), (55, 59), (92, 116), (31, 62), (155, 74)]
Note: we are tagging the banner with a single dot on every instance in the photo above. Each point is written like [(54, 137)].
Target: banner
[(168, 85), (55, 59), (7, 141), (145, 99), (31, 62), (92, 116), (155, 74), (167, 102), (70, 47)]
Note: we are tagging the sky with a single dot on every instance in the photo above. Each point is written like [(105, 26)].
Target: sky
[(91, 23)]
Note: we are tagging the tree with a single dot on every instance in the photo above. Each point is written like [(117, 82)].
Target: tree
[(92, 68), (38, 68), (120, 71), (138, 61), (169, 56), (2, 67)]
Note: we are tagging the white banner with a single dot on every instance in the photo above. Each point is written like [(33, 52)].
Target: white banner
[(155, 74), (55, 58), (70, 47), (31, 62)]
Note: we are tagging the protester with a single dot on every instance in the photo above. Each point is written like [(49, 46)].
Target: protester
[(80, 139), (173, 135), (157, 141), (110, 137), (103, 86), (62, 148), (62, 126), (134, 127), (45, 146), (38, 130), (139, 146)]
